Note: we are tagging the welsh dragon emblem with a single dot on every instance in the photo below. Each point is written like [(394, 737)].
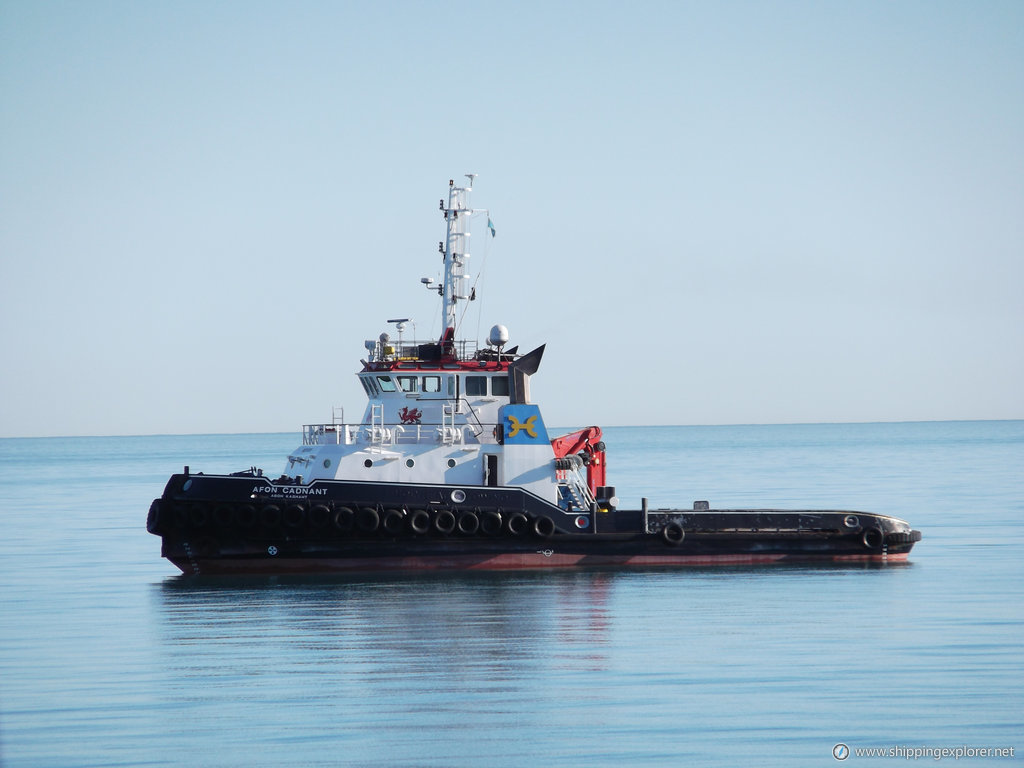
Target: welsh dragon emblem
[(410, 416)]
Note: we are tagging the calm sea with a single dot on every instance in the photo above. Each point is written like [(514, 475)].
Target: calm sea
[(108, 658)]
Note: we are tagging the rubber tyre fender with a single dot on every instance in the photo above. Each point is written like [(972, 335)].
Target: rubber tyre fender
[(517, 524), (490, 523), (198, 516), (419, 522), (873, 538), (223, 516), (544, 526), (344, 519), (177, 519), (394, 521), (673, 534), (270, 516), (367, 519), (445, 522), (469, 523), (295, 516), (319, 516), (245, 516)]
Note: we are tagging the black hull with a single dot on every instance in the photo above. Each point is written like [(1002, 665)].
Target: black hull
[(213, 524)]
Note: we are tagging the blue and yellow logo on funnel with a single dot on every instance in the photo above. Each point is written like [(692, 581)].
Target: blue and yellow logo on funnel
[(522, 424), (514, 426)]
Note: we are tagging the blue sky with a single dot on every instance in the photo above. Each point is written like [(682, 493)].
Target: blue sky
[(713, 213)]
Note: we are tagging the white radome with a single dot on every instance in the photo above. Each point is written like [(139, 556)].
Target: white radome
[(498, 336)]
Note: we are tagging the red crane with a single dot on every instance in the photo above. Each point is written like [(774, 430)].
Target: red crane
[(587, 444)]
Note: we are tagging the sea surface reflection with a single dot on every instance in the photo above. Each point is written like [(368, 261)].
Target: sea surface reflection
[(380, 670)]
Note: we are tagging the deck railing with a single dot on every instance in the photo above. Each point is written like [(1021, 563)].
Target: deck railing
[(391, 351), (379, 434)]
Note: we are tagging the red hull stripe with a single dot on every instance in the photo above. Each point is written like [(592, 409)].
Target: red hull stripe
[(506, 562)]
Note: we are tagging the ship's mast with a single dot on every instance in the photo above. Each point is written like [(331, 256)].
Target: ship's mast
[(456, 252)]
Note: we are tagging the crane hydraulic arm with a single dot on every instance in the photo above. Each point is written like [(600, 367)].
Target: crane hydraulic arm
[(587, 444)]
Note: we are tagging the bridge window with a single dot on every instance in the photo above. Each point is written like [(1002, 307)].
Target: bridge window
[(409, 383), (499, 385), (476, 385), (386, 383), (431, 383), (370, 386)]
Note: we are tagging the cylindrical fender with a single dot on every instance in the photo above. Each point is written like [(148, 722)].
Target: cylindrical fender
[(903, 537), (153, 522)]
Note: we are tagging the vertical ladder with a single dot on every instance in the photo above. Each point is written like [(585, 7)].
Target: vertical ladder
[(448, 423), (377, 425)]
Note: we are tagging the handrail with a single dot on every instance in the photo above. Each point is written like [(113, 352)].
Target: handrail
[(391, 351), (378, 434), (577, 485)]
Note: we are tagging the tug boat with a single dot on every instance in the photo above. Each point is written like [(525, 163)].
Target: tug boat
[(452, 467)]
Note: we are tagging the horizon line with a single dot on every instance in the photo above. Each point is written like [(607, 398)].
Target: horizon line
[(609, 426)]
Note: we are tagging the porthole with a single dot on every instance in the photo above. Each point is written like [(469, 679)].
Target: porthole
[(327, 463), (458, 496), (368, 463), (451, 462), (410, 463)]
